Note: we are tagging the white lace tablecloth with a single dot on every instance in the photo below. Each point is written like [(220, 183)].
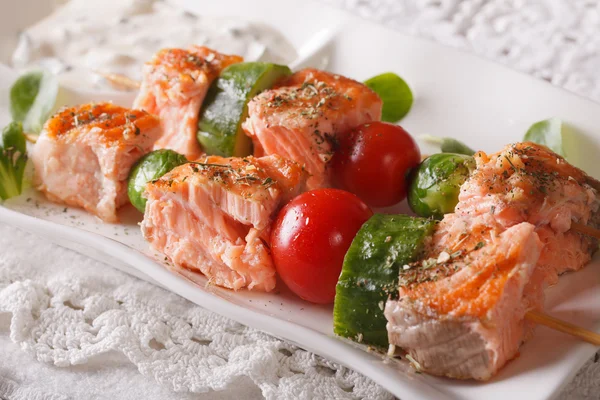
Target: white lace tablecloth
[(73, 328)]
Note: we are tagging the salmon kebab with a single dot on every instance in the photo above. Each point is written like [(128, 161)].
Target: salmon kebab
[(489, 262), (282, 190)]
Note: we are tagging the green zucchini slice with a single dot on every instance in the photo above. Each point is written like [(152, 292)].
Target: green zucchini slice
[(226, 106), (370, 271)]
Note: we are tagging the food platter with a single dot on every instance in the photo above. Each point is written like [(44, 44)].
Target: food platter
[(456, 95)]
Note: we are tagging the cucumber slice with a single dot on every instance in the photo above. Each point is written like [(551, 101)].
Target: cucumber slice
[(225, 106), (370, 274)]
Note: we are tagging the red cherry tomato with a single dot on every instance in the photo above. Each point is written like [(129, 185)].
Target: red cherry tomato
[(310, 238), (373, 161)]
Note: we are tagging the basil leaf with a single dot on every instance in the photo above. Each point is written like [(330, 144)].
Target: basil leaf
[(549, 133), (449, 145), (394, 92), (13, 161), (32, 99), (13, 138)]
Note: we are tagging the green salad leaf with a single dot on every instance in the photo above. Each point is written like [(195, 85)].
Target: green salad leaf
[(13, 159), (449, 145), (550, 133), (394, 92), (33, 98), (148, 168)]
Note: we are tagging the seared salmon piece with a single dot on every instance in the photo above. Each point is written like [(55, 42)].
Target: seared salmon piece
[(174, 85), (489, 262), (527, 182), (462, 315), (84, 154), (301, 118), (212, 217)]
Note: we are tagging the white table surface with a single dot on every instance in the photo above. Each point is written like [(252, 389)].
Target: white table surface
[(553, 39)]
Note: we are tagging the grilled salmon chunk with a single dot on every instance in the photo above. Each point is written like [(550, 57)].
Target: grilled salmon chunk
[(174, 85), (84, 154), (526, 182), (490, 261), (301, 118), (212, 217), (463, 318)]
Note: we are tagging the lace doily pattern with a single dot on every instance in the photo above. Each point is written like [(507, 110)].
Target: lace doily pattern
[(66, 312)]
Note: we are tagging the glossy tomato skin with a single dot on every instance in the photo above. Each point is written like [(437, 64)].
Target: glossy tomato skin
[(310, 238), (373, 160)]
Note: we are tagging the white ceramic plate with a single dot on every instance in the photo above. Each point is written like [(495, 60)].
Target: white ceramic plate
[(458, 95)]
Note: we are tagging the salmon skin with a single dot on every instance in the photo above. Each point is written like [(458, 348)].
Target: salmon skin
[(174, 85), (84, 154), (461, 310), (213, 217), (301, 118)]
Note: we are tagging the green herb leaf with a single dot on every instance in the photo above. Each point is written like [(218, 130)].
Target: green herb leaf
[(32, 99), (448, 145), (13, 138), (13, 159), (149, 168), (549, 133), (394, 92)]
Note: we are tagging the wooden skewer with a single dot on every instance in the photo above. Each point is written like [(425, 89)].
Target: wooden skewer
[(119, 82), (563, 326), (586, 230), (31, 138)]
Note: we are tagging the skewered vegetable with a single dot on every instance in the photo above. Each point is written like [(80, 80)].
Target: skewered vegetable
[(310, 237), (436, 183), (226, 106), (383, 245), (373, 161)]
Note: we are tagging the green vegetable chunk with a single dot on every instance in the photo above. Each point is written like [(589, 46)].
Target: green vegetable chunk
[(370, 274), (226, 106), (549, 133), (394, 92), (436, 183), (33, 98), (150, 167), (13, 159)]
